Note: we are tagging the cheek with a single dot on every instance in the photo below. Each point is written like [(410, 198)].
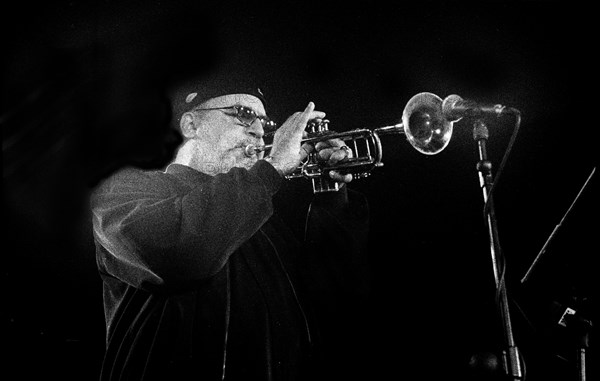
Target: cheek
[(219, 137), (221, 143)]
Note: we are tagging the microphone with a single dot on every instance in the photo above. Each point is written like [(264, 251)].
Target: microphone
[(455, 108)]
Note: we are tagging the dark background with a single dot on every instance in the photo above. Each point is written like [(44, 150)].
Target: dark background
[(83, 93)]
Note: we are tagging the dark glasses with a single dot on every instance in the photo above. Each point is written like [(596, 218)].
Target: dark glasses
[(247, 116)]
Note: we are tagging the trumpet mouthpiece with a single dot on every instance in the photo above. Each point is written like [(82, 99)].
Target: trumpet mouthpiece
[(252, 150)]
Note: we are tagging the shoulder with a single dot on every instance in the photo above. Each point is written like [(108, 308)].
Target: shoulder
[(132, 179)]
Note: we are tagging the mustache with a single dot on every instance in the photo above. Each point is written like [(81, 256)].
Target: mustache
[(246, 142)]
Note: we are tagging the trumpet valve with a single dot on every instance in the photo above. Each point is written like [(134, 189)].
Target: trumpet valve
[(361, 175), (315, 126)]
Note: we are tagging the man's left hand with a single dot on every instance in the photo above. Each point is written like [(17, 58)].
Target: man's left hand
[(332, 152)]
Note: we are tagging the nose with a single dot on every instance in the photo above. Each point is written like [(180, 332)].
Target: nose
[(256, 129)]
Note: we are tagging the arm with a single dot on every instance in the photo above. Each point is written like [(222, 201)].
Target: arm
[(153, 231)]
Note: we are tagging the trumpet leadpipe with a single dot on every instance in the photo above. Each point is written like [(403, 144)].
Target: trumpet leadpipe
[(390, 130), (352, 135)]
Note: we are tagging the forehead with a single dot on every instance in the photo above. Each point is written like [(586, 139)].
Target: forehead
[(236, 99)]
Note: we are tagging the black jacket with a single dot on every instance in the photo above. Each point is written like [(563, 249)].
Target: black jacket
[(203, 280)]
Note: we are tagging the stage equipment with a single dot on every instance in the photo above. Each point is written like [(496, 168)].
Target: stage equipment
[(576, 322), (511, 357)]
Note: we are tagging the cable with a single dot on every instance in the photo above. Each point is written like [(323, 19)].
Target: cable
[(486, 205)]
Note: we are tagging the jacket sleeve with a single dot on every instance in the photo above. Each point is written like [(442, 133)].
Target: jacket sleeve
[(151, 231)]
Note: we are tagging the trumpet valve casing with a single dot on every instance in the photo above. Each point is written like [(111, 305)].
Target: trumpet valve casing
[(317, 125)]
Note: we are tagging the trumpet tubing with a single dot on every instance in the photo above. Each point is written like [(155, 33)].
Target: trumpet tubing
[(423, 124)]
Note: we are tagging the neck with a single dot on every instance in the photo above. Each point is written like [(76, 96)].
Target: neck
[(188, 155), (185, 155)]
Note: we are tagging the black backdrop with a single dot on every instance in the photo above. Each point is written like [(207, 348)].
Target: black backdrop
[(82, 95)]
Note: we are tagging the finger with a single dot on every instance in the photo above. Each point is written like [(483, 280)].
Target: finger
[(336, 142), (304, 117), (323, 145), (305, 150), (309, 148), (348, 151), (324, 154), (340, 178), (337, 156), (334, 155), (317, 115), (330, 143), (309, 113)]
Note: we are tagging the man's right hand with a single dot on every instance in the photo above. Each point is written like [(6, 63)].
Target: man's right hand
[(286, 151)]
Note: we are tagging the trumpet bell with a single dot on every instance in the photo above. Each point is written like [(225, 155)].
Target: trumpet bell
[(424, 124)]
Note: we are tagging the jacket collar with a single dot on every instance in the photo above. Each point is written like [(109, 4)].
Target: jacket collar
[(187, 174)]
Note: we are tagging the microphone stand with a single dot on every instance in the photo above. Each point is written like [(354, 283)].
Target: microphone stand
[(581, 327), (510, 356), (584, 329)]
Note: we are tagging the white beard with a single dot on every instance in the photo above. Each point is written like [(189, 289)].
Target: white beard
[(226, 162)]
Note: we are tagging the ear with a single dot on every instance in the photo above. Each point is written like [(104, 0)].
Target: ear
[(187, 126)]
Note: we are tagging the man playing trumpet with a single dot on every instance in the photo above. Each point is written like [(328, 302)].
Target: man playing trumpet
[(202, 277)]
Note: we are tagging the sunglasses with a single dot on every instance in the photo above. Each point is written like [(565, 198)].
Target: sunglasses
[(247, 116)]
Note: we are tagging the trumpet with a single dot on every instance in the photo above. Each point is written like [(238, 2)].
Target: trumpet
[(423, 124)]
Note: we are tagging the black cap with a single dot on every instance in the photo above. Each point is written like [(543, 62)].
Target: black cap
[(195, 91)]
